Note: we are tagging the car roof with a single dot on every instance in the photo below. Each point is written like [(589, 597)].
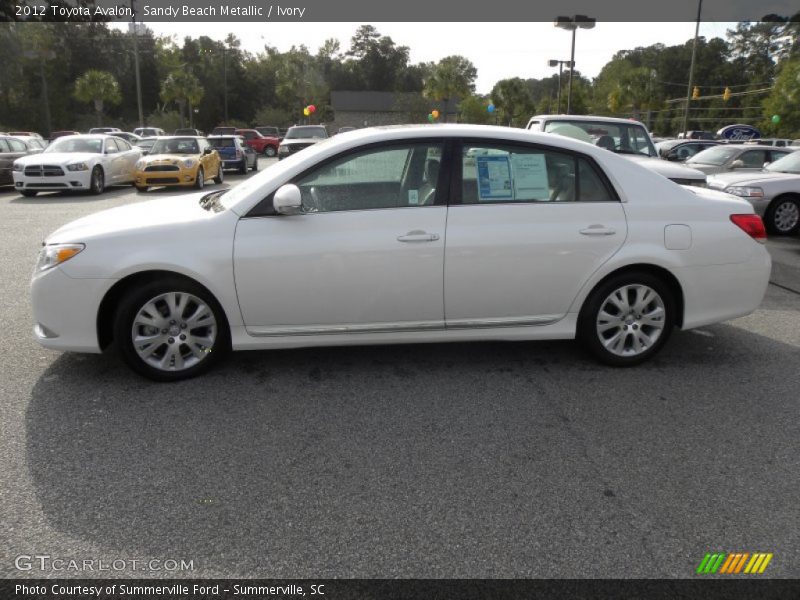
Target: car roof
[(597, 118)]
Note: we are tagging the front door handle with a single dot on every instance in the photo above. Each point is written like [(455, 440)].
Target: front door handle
[(598, 230), (418, 236)]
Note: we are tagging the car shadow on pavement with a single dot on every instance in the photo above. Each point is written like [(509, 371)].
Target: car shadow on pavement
[(66, 197), (449, 460)]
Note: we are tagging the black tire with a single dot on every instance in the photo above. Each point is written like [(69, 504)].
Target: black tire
[(28, 193), (200, 181), (255, 163), (97, 183), (220, 177), (142, 188), (630, 327), (270, 151), (783, 216), (136, 298), (243, 166)]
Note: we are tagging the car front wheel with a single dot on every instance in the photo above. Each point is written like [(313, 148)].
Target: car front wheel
[(170, 329), (220, 177), (28, 193), (783, 216), (200, 181), (627, 319), (270, 151), (98, 181)]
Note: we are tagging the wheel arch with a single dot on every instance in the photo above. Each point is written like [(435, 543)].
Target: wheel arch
[(663, 274), (110, 301)]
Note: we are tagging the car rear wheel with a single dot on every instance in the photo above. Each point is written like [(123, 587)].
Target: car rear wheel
[(255, 163), (783, 216), (28, 193), (243, 166), (98, 181), (200, 182), (627, 319), (220, 177), (270, 151), (142, 188), (170, 330)]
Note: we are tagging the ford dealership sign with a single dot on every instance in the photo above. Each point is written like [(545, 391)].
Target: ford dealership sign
[(739, 133)]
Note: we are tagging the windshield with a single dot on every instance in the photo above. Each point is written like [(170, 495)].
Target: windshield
[(90, 145), (717, 155), (176, 146), (788, 164), (296, 133), (622, 138)]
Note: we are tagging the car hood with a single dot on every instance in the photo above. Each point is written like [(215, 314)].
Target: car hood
[(722, 180), (667, 169), (140, 217), (57, 158), (168, 159), (286, 142)]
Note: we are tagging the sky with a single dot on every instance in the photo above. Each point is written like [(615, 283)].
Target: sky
[(498, 50)]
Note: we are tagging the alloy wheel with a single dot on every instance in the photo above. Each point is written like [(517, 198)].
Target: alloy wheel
[(631, 320), (786, 216)]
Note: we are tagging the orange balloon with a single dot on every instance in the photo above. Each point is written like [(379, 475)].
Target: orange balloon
[(435, 114)]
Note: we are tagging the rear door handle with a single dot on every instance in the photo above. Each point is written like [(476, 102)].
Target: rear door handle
[(598, 230), (418, 236)]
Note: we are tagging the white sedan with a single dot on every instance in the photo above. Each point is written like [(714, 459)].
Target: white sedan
[(77, 163), (404, 235)]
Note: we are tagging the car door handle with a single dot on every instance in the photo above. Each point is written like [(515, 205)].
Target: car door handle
[(597, 230), (418, 236)]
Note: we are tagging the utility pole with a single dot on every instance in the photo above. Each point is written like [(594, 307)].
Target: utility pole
[(691, 70), (136, 64), (225, 79), (572, 24)]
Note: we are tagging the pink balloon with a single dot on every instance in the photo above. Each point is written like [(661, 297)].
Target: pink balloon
[(312, 108)]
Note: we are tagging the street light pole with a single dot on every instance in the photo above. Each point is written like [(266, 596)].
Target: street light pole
[(136, 66), (572, 24), (560, 64), (225, 79), (691, 70)]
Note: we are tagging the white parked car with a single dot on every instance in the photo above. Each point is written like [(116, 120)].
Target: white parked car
[(405, 234), (77, 163)]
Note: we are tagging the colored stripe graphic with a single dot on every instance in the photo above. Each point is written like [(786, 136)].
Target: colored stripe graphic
[(733, 563)]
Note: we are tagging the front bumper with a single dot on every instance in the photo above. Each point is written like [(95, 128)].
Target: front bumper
[(181, 177), (65, 310), (71, 180)]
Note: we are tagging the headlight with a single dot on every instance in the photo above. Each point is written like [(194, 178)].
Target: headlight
[(55, 254), (745, 191), (188, 163), (81, 166), (139, 165), (18, 167)]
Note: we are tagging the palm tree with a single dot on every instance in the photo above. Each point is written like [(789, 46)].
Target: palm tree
[(99, 87), (454, 76), (183, 88), (513, 97)]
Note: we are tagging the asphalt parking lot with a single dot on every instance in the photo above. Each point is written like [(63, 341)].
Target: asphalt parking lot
[(457, 460)]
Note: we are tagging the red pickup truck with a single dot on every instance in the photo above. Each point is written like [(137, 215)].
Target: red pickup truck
[(266, 145)]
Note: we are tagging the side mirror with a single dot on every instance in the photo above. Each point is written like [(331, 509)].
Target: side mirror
[(288, 200), (672, 156), (737, 164), (208, 151), (765, 165), (145, 152)]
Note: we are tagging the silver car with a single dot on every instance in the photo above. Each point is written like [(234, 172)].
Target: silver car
[(735, 157), (773, 191)]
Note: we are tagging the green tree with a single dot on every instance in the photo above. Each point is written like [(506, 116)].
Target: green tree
[(454, 76), (473, 109), (182, 88), (98, 87), (784, 101), (513, 98)]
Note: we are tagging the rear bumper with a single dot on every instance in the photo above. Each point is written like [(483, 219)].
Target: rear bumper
[(717, 293)]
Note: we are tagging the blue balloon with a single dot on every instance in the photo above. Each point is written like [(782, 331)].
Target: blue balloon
[(490, 108)]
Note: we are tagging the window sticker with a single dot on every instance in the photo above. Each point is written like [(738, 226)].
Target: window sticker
[(494, 178), (413, 197), (530, 177)]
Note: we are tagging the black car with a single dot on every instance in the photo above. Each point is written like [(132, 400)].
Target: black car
[(12, 148), (235, 154), (680, 150)]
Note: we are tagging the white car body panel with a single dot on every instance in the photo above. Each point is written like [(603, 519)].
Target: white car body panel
[(343, 278)]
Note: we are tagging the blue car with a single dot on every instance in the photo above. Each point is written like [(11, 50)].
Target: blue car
[(235, 154)]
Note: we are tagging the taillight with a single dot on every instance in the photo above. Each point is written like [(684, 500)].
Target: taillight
[(752, 225), (238, 154)]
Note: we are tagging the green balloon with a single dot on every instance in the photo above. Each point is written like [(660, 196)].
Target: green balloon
[(776, 119)]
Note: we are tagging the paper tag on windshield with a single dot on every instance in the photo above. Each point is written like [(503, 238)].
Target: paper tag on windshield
[(413, 197)]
